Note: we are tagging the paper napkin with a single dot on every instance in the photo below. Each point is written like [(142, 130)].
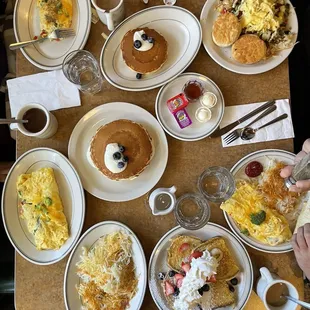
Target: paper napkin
[(50, 89), (281, 130)]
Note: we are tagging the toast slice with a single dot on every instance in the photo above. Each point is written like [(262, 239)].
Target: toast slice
[(227, 268)]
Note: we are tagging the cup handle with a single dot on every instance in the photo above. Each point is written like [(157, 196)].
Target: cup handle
[(110, 22), (172, 190), (266, 275), (13, 126)]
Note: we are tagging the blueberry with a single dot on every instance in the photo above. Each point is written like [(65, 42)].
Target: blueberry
[(171, 273), (144, 37), (231, 288), (137, 44), (121, 148), (161, 276), (125, 159), (176, 292), (120, 165), (151, 40), (234, 281), (138, 76), (117, 156), (200, 291), (206, 288)]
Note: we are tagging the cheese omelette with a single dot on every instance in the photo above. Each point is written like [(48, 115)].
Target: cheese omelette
[(41, 207), (248, 201), (54, 14)]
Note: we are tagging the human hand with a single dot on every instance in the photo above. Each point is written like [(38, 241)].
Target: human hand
[(301, 247), (300, 186)]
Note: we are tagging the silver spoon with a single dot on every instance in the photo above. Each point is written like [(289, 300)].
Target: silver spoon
[(297, 301), (248, 133), (12, 120)]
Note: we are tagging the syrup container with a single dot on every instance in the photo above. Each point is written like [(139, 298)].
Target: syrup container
[(162, 200)]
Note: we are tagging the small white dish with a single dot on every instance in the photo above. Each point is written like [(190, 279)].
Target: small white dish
[(196, 131), (49, 55), (88, 240), (163, 196), (208, 100), (71, 194), (93, 180), (181, 30), (203, 114)]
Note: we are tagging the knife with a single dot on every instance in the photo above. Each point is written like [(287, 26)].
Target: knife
[(229, 127)]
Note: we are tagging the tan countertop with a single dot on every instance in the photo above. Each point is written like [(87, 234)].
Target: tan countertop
[(41, 287)]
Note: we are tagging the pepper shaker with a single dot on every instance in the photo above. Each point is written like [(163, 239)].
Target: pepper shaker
[(301, 171)]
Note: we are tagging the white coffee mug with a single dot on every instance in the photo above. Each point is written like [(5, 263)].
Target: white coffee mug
[(266, 281), (113, 17), (49, 129)]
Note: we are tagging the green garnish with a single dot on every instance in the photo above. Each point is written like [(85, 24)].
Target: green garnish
[(20, 194), (60, 11), (258, 218), (245, 232), (38, 207), (48, 201)]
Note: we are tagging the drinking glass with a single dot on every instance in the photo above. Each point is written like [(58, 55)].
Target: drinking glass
[(170, 2), (82, 69), (192, 211), (217, 184)]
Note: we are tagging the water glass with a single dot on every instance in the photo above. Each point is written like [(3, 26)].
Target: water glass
[(170, 2), (217, 184), (82, 69), (192, 211)]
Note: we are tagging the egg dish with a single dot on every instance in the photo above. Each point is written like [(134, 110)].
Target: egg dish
[(206, 274), (107, 273), (41, 207), (54, 14), (268, 19)]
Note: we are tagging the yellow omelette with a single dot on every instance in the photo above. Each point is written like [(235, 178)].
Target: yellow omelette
[(41, 207)]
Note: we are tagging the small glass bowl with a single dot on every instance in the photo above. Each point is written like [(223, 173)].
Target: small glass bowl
[(216, 184), (207, 113), (212, 100), (192, 211), (196, 83)]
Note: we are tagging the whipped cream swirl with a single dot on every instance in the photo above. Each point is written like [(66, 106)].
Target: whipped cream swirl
[(110, 162), (146, 45), (201, 269)]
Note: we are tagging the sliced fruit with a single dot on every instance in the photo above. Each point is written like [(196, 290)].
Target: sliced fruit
[(178, 276), (186, 267), (195, 254), (212, 279), (169, 289), (179, 282), (183, 247)]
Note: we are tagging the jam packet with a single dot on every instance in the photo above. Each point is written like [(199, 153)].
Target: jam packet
[(177, 103), (182, 118)]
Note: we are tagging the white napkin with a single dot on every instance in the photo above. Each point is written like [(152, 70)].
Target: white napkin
[(50, 89), (281, 130)]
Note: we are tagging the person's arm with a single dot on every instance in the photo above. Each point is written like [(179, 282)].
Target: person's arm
[(301, 186)]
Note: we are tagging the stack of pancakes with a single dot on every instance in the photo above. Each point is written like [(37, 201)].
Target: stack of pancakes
[(247, 49), (144, 61), (138, 148)]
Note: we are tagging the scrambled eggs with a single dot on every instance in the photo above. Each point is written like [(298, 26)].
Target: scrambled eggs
[(54, 14), (246, 201), (41, 207)]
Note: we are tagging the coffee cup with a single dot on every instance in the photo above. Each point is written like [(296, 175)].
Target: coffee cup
[(265, 285), (48, 120), (110, 16)]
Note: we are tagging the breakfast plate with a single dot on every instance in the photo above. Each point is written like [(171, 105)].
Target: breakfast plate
[(238, 171), (158, 263), (196, 131), (180, 28), (223, 56), (89, 240), (49, 55), (71, 194), (93, 180)]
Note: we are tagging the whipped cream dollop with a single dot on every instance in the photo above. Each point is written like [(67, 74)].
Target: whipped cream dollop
[(146, 45), (109, 161), (201, 268)]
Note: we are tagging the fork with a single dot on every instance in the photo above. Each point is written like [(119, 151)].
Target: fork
[(237, 132), (56, 34)]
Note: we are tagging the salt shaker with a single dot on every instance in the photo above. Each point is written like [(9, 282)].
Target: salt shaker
[(301, 171)]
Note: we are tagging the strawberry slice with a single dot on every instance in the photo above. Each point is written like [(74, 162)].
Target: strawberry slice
[(186, 267), (169, 289), (179, 282), (183, 247), (178, 276), (195, 254), (212, 279)]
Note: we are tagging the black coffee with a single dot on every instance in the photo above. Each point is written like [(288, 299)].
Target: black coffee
[(36, 120), (107, 5)]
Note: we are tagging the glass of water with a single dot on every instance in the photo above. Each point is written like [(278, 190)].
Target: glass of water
[(217, 184), (82, 69), (170, 2)]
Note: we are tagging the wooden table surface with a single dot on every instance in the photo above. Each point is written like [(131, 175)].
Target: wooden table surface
[(41, 287)]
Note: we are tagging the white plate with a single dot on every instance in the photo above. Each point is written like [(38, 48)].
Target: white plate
[(158, 263), (93, 180), (238, 172), (196, 131), (88, 240), (71, 194), (49, 55), (223, 55), (180, 28)]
